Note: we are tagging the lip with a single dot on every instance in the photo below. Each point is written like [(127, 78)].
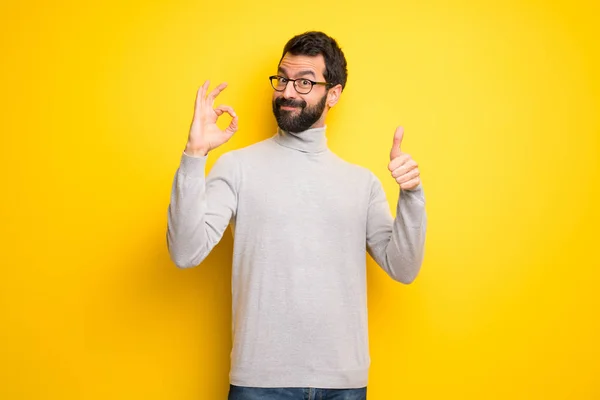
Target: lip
[(288, 108)]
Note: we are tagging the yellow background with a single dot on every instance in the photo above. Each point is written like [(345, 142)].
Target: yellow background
[(500, 103)]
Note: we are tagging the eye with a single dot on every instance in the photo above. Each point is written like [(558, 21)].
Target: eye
[(305, 83), (282, 79)]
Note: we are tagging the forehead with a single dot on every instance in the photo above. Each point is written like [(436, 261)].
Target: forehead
[(295, 64)]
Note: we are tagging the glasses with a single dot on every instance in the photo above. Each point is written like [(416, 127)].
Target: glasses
[(302, 85)]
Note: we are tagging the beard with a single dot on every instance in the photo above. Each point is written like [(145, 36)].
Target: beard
[(291, 121)]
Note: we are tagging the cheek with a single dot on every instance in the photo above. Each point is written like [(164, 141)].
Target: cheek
[(311, 100), (316, 98)]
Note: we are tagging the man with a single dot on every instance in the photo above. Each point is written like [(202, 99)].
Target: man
[(302, 220)]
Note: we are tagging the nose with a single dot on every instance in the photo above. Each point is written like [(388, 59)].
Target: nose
[(290, 91)]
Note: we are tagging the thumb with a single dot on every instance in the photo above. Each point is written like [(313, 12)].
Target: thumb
[(398, 135)]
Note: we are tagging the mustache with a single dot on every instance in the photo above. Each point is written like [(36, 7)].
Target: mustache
[(283, 102)]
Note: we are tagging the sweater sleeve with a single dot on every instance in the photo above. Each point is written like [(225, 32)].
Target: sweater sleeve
[(397, 244), (200, 208)]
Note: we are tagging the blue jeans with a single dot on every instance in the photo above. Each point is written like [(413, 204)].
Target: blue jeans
[(257, 393)]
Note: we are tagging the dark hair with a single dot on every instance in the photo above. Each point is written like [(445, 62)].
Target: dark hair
[(314, 43)]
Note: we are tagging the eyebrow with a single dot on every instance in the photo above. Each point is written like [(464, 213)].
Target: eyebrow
[(305, 72)]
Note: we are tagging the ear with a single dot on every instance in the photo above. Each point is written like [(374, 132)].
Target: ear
[(333, 96)]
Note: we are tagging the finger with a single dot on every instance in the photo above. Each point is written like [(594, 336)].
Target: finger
[(198, 101), (405, 168), (223, 108), (410, 175), (233, 126), (204, 89), (412, 184), (398, 161), (215, 92), (398, 135)]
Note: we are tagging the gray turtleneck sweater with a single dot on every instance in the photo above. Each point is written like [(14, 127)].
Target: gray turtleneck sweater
[(303, 220)]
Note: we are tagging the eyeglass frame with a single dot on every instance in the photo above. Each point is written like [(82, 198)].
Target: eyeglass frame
[(288, 80)]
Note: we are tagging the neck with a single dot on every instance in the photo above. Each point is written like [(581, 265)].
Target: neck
[(312, 140)]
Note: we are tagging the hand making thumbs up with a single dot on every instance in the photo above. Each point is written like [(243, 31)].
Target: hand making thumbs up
[(402, 166)]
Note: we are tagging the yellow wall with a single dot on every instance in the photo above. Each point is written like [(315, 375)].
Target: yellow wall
[(500, 103)]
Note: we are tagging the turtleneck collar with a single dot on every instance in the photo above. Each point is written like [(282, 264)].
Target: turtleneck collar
[(309, 141)]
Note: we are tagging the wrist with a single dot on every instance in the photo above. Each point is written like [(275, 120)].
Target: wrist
[(196, 151)]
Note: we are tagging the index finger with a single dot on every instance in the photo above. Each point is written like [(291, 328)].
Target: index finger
[(398, 162)]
